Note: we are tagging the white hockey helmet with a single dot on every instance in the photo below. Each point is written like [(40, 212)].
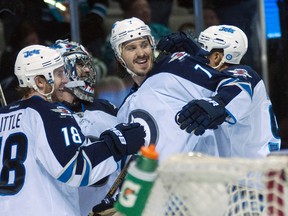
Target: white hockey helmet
[(126, 30), (35, 60), (74, 54), (229, 38)]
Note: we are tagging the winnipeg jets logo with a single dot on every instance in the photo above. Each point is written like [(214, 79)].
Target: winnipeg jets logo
[(239, 72), (30, 53), (63, 111), (149, 124), (226, 29), (178, 55)]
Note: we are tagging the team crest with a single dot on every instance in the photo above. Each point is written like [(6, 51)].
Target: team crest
[(239, 72), (178, 55), (62, 110), (149, 123)]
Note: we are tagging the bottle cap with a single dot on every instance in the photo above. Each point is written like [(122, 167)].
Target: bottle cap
[(149, 152)]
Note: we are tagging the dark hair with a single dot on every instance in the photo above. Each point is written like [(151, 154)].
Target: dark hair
[(23, 92), (217, 50)]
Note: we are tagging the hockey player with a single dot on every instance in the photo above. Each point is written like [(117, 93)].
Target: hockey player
[(163, 90), (173, 82), (253, 132), (93, 115), (78, 94), (44, 156)]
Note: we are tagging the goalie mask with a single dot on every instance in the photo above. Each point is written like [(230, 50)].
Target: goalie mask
[(128, 30), (229, 38), (79, 68)]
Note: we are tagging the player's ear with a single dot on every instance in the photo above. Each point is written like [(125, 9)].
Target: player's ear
[(216, 57), (40, 82)]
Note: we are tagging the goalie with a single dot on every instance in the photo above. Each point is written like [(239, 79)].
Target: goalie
[(93, 115)]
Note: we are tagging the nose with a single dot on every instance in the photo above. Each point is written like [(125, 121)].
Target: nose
[(86, 69), (83, 71), (65, 79), (140, 51)]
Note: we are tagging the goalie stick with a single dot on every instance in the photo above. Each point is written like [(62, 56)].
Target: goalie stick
[(2, 97), (108, 200)]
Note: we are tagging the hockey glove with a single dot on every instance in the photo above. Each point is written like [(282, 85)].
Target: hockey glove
[(199, 115), (181, 42), (124, 139)]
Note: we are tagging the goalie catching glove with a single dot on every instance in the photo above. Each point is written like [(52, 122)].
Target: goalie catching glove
[(200, 115), (124, 139), (181, 42)]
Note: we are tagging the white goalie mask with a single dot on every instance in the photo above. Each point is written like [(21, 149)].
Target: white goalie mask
[(35, 60), (128, 30), (79, 69), (229, 38)]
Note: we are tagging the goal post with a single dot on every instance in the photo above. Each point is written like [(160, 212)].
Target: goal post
[(197, 185)]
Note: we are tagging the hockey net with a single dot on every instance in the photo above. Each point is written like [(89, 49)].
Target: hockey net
[(197, 185)]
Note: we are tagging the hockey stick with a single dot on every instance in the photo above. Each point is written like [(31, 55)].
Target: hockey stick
[(108, 200), (2, 97)]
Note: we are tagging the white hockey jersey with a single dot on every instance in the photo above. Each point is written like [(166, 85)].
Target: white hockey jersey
[(254, 130), (180, 78), (43, 161), (93, 119)]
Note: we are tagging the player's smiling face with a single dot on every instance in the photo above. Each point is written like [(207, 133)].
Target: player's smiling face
[(138, 56), (60, 79)]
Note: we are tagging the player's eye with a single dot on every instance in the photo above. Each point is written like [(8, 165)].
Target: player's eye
[(130, 48), (145, 44)]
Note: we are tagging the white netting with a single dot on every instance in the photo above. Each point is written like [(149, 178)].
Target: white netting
[(193, 185)]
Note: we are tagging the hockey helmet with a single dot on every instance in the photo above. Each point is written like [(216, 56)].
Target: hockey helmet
[(77, 61), (35, 60), (229, 38), (126, 30)]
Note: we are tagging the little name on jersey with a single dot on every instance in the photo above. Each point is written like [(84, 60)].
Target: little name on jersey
[(10, 122)]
